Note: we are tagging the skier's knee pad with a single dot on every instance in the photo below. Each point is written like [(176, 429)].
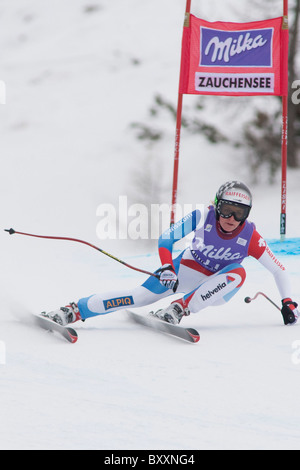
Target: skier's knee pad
[(218, 289)]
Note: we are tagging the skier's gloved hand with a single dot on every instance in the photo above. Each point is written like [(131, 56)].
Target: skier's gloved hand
[(168, 277), (289, 312)]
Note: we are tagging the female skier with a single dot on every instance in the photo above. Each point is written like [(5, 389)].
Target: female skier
[(208, 273)]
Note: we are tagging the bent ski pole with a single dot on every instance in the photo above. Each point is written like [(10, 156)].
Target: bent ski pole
[(248, 299), (11, 231)]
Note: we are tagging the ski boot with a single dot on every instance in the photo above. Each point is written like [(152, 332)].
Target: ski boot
[(64, 315), (172, 314)]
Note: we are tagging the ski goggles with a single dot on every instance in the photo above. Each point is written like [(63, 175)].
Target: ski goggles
[(228, 209)]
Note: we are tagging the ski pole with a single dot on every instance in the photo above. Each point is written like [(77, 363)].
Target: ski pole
[(11, 231), (248, 299)]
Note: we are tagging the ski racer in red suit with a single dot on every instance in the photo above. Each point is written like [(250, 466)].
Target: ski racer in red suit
[(208, 273)]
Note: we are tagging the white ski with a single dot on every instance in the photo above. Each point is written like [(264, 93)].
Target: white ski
[(68, 333), (187, 334)]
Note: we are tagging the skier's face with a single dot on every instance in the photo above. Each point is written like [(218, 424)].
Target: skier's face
[(229, 225)]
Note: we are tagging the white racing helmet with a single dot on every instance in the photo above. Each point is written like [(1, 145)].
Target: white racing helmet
[(233, 199)]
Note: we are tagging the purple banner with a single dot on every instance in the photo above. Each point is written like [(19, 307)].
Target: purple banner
[(251, 48)]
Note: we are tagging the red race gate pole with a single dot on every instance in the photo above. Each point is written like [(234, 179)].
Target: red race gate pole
[(178, 130), (284, 143)]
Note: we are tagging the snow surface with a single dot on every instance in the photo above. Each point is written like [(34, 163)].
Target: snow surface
[(76, 80)]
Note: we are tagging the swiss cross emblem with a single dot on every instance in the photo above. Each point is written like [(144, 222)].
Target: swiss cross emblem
[(261, 242)]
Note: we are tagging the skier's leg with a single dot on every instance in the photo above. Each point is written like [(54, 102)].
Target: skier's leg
[(101, 304), (217, 289), (149, 292), (214, 290)]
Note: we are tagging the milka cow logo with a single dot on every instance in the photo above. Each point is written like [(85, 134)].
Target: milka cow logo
[(249, 48)]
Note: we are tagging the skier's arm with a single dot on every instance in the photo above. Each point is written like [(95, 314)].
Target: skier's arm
[(175, 233), (289, 310), (259, 249)]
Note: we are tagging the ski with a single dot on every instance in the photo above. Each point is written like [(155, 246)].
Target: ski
[(46, 324), (187, 334)]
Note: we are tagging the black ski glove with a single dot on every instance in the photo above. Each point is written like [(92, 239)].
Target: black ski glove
[(289, 311)]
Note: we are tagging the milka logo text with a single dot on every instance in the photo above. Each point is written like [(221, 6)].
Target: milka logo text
[(211, 252), (236, 48)]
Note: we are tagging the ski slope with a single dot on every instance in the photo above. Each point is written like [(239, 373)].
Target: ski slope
[(66, 147), (122, 386)]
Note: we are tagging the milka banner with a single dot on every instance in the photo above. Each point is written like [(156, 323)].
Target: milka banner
[(234, 58)]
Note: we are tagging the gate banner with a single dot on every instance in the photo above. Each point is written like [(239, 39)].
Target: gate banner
[(235, 59)]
